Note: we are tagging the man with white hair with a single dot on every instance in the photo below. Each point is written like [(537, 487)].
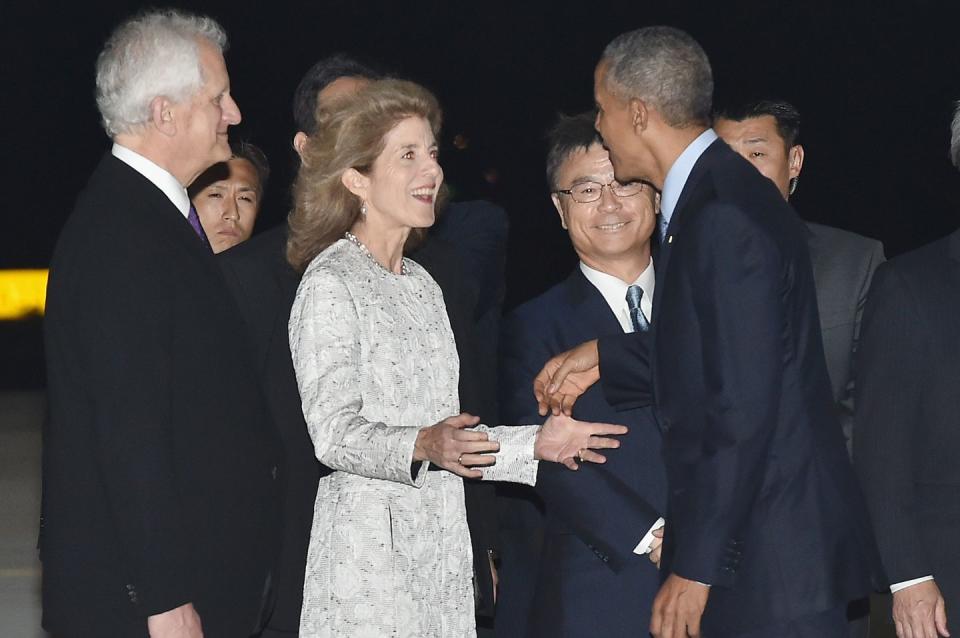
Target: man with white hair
[(160, 471)]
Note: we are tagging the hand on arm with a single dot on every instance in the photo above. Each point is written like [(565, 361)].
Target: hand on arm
[(180, 622), (565, 377), (678, 607), (919, 611), (450, 445), (563, 439)]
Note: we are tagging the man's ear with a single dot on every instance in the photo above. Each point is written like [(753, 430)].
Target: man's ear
[(556, 204), (356, 182), (639, 115), (299, 141), (795, 157), (162, 116)]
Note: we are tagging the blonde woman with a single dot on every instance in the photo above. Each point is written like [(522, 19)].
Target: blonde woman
[(378, 371)]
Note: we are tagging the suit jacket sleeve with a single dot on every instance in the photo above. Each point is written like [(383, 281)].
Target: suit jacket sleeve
[(891, 378), (613, 529), (625, 374), (129, 328), (325, 345), (737, 292)]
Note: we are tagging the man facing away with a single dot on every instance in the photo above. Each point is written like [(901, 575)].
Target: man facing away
[(160, 470), (593, 576), (907, 440), (765, 133), (766, 533)]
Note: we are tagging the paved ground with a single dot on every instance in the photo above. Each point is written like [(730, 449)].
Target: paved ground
[(21, 414)]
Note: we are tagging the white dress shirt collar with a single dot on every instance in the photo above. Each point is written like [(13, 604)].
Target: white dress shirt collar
[(614, 292), (159, 177), (677, 175)]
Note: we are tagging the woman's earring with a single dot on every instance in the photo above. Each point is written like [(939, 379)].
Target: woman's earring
[(363, 208), (793, 184)]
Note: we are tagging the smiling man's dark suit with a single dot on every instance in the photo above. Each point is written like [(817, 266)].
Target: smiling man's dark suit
[(160, 468), (763, 503), (590, 581)]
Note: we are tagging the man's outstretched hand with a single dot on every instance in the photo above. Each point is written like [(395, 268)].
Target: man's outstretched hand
[(565, 377)]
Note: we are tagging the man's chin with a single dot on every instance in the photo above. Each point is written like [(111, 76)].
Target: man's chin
[(623, 172), (220, 154)]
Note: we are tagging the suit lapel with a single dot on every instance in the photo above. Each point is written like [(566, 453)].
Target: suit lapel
[(162, 211), (691, 197), (590, 310), (953, 257), (954, 249)]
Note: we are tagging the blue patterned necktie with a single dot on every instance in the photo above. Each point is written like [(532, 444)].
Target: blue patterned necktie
[(639, 320), (194, 220)]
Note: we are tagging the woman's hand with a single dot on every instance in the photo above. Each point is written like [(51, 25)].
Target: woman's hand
[(450, 445), (563, 439)]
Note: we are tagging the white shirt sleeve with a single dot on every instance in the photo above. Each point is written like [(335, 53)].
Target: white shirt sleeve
[(644, 546), (895, 587)]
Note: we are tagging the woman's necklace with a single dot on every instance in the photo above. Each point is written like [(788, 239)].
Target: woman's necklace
[(366, 251)]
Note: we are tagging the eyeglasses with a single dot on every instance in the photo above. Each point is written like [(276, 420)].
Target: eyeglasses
[(587, 192)]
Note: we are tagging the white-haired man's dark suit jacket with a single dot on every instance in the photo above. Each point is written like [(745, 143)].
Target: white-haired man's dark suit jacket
[(161, 471), (908, 429)]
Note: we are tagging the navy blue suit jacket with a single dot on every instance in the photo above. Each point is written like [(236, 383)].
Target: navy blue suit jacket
[(763, 502), (589, 582)]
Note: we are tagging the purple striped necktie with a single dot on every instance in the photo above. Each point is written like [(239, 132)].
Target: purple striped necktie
[(194, 220)]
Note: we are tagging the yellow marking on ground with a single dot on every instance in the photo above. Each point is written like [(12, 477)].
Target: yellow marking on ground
[(19, 572), (22, 293)]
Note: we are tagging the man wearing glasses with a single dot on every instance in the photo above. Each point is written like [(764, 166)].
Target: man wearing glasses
[(593, 576)]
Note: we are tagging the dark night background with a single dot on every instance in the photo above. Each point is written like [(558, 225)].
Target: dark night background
[(875, 86)]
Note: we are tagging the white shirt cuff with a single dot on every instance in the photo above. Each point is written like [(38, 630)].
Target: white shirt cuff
[(643, 547), (895, 587)]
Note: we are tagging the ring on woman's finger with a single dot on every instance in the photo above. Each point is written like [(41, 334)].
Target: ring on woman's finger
[(580, 455), (460, 460)]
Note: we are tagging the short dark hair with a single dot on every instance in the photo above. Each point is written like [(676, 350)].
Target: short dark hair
[(785, 114), (253, 154), (570, 133), (326, 71)]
